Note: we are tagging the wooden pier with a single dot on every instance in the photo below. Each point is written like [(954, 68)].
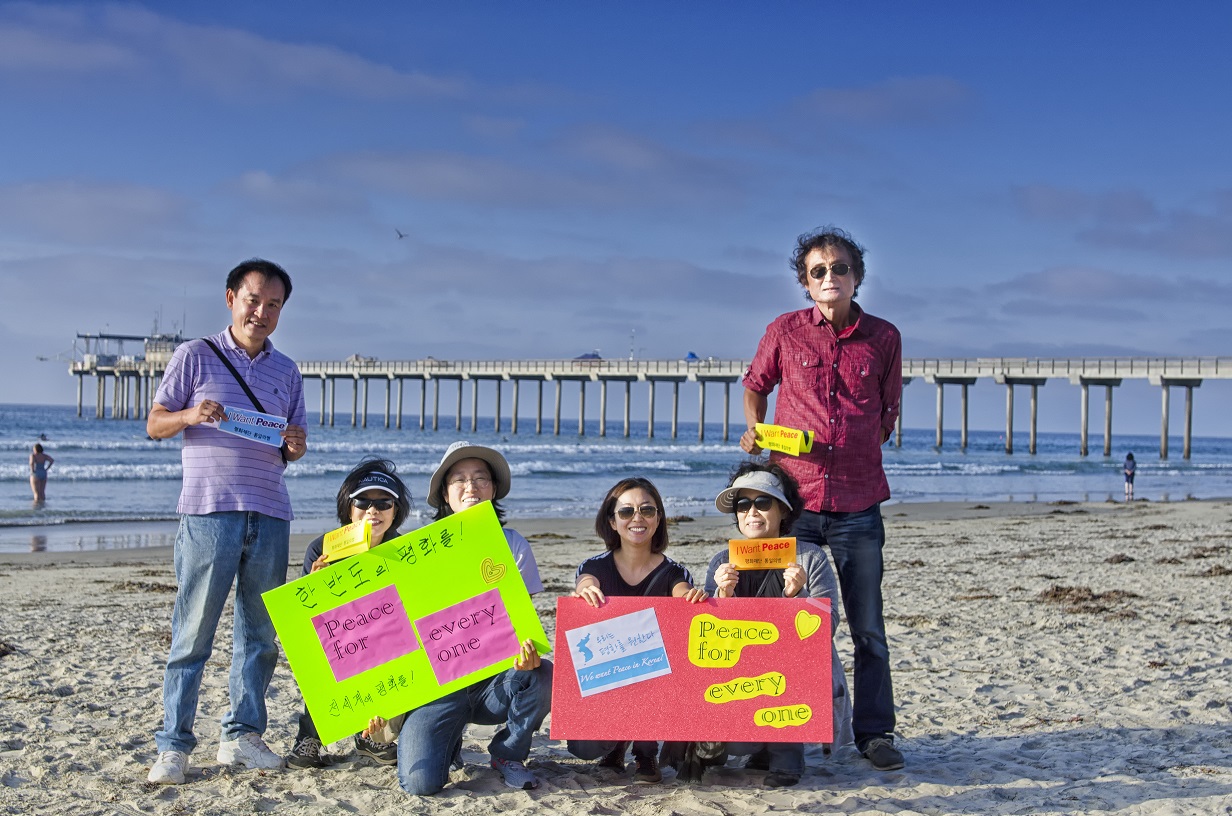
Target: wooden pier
[(135, 378)]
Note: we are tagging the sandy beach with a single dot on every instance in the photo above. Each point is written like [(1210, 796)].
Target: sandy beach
[(1068, 658)]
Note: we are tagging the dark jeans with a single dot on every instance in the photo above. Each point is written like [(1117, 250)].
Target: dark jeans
[(598, 749), (517, 700), (855, 541)]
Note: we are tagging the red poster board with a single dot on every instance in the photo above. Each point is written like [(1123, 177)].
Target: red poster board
[(728, 669)]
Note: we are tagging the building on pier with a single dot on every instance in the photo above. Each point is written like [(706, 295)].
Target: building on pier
[(134, 376)]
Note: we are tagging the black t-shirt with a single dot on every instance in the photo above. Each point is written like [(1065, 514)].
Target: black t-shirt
[(658, 583)]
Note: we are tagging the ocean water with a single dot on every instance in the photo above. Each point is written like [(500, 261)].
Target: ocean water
[(108, 470)]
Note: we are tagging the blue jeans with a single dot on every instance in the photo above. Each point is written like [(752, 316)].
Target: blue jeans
[(855, 541), (518, 700), (212, 553)]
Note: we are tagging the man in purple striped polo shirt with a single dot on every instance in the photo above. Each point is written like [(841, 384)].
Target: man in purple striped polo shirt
[(235, 515)]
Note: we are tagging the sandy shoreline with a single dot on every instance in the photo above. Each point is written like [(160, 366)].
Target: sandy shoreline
[(1047, 658)]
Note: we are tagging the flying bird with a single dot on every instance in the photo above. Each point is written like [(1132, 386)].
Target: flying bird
[(401, 234)]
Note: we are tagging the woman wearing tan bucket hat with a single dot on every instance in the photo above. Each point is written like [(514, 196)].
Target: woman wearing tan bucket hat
[(517, 699)]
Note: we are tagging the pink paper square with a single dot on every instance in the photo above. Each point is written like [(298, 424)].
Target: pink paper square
[(467, 636), (365, 633)]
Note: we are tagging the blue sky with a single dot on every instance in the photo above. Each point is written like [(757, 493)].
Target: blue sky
[(1034, 179)]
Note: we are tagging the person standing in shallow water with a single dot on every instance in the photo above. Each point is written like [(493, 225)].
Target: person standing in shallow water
[(1130, 467), (40, 464)]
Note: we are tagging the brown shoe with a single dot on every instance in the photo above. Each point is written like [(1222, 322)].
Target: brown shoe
[(647, 770)]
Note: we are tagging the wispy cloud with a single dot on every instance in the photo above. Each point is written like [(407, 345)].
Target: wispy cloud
[(597, 169), (1131, 220), (1080, 283), (898, 100), (1047, 202), (291, 195), (1182, 233), (129, 40), (78, 211), (33, 47)]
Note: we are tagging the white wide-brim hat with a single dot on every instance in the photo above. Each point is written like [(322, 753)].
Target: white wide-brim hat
[(465, 450)]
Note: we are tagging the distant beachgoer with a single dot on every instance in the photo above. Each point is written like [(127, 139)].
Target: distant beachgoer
[(631, 523), (371, 492), (517, 699), (235, 516), (839, 373), (765, 502), (1130, 467), (40, 463)]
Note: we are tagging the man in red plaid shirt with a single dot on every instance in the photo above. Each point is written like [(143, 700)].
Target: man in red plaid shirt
[(838, 371)]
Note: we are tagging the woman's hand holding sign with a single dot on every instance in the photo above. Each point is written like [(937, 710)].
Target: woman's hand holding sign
[(725, 578), (528, 657), (794, 579), (588, 590)]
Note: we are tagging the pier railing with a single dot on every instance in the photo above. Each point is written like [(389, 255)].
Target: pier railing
[(1101, 367), (526, 369)]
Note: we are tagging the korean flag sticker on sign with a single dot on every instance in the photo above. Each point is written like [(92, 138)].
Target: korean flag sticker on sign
[(618, 652)]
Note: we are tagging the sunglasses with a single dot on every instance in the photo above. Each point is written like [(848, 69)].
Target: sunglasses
[(379, 504), (646, 511), (763, 503), (838, 270)]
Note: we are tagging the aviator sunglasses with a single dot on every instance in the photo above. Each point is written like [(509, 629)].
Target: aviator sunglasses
[(838, 270), (379, 504), (763, 503), (646, 511)]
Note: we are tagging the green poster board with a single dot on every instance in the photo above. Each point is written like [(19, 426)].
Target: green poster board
[(418, 617)]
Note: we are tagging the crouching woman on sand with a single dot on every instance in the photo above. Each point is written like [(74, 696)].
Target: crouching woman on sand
[(631, 523)]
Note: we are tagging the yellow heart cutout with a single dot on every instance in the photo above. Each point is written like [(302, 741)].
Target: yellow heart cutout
[(807, 624), (493, 572)]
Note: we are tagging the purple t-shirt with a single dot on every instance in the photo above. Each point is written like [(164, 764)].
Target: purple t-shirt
[(224, 472)]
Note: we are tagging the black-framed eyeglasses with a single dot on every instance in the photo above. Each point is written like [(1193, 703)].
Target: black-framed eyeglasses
[(646, 511), (380, 504), (763, 503), (838, 270)]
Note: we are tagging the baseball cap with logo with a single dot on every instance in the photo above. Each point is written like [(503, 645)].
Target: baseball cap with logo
[(375, 480)]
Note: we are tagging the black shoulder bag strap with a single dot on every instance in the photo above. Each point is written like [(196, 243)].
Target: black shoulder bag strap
[(652, 589), (256, 403)]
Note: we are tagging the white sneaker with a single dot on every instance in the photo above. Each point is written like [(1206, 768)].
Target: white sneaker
[(248, 750), (170, 768)]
